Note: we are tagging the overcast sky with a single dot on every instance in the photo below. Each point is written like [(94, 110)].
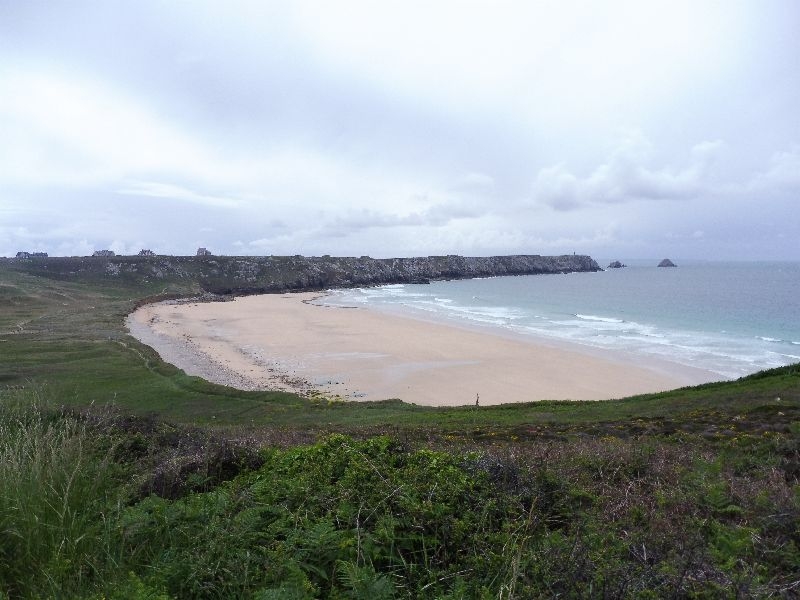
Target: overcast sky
[(621, 129)]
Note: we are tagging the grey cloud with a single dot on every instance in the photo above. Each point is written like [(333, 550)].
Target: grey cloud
[(437, 215), (344, 225)]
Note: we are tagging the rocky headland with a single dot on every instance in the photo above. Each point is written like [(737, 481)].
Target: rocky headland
[(242, 275)]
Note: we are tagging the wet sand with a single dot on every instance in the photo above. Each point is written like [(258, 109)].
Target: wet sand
[(293, 342)]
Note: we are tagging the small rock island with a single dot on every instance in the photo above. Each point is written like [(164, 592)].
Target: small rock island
[(667, 263), (616, 265)]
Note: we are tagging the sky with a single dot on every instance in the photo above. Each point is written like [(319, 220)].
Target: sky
[(615, 128)]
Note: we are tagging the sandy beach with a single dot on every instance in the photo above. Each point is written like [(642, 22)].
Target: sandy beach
[(293, 342)]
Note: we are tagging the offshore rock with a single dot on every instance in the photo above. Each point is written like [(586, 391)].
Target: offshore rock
[(667, 263), (616, 265), (264, 274)]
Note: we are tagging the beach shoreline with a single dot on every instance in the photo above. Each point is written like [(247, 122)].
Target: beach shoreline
[(295, 342), (672, 369)]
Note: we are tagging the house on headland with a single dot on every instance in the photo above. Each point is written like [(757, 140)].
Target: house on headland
[(203, 252), (104, 253), (31, 254)]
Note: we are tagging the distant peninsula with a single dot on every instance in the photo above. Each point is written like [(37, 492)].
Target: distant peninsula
[(241, 275)]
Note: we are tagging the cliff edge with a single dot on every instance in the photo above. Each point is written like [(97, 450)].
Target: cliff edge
[(264, 274)]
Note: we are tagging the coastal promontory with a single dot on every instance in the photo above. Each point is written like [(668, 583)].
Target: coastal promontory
[(265, 274)]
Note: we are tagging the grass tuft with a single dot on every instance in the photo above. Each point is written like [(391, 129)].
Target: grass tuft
[(57, 500)]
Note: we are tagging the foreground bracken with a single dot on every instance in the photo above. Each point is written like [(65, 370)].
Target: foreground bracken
[(105, 505)]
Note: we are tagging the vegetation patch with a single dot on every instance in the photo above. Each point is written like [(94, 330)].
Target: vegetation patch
[(109, 507)]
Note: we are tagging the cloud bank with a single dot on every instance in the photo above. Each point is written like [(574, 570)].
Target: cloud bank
[(631, 129)]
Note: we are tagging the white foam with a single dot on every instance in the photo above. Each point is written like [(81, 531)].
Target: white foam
[(601, 319), (728, 354)]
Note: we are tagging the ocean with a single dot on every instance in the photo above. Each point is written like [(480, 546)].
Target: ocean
[(732, 319)]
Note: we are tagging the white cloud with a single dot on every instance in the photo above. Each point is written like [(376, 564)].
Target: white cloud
[(79, 247), (66, 129), (174, 192), (626, 177), (123, 248), (476, 180), (541, 60), (782, 174), (54, 241)]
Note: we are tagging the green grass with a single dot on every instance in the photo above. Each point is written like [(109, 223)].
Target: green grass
[(56, 500), (123, 477)]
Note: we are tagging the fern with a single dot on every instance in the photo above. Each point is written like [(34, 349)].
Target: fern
[(363, 583)]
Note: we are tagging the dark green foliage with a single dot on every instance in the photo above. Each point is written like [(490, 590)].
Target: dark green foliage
[(341, 518), (377, 518)]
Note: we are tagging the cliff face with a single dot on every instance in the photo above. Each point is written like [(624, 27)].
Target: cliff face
[(259, 274)]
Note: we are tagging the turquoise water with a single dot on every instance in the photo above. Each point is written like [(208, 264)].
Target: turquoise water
[(729, 318)]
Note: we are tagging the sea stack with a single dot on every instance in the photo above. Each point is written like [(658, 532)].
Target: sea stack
[(667, 263), (616, 265)]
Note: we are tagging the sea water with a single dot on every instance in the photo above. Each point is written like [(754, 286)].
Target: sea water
[(732, 319)]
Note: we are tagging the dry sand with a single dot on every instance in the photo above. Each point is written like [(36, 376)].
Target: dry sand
[(292, 342)]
